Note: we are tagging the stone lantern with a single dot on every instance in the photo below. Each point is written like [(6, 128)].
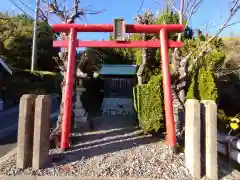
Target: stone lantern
[(80, 114)]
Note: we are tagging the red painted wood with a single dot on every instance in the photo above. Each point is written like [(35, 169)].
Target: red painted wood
[(115, 44), (130, 28), (167, 90), (67, 106)]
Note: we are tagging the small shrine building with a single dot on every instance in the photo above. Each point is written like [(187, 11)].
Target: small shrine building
[(118, 89)]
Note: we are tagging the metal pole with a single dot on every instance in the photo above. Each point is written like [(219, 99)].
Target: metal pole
[(167, 91), (34, 43), (67, 106)]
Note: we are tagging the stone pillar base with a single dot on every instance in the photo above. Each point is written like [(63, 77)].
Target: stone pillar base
[(81, 127)]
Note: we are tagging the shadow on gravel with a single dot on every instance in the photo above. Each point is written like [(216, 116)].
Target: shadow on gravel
[(135, 137), (103, 143), (104, 134)]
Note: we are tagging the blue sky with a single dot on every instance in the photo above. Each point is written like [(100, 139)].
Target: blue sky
[(211, 12)]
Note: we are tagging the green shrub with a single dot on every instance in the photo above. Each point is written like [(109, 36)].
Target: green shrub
[(202, 84), (206, 85), (37, 82), (192, 90), (149, 105)]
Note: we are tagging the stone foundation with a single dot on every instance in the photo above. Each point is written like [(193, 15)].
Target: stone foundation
[(117, 106)]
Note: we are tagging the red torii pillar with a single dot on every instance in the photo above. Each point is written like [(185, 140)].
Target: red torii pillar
[(73, 43)]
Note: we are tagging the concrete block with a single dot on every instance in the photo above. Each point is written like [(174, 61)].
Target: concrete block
[(192, 138), (25, 131), (210, 127), (41, 144)]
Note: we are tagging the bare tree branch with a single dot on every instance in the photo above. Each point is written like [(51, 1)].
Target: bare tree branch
[(41, 14), (83, 12), (233, 11), (203, 52), (156, 1), (192, 5), (173, 6), (232, 24), (141, 5), (175, 54), (21, 9), (54, 9), (146, 18), (193, 10), (188, 5)]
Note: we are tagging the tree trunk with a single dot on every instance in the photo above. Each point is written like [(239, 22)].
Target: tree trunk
[(56, 133), (182, 83), (143, 63), (142, 67), (182, 95)]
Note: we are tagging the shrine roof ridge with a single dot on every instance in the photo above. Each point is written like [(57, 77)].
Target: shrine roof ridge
[(118, 69)]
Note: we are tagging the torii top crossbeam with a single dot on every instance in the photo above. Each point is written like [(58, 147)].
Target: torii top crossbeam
[(130, 28)]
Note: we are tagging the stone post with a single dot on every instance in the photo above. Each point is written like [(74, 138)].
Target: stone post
[(25, 131), (192, 138), (41, 142), (210, 126)]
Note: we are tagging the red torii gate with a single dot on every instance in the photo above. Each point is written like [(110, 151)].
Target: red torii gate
[(73, 43)]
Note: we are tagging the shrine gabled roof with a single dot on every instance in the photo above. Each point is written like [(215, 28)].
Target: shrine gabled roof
[(118, 69)]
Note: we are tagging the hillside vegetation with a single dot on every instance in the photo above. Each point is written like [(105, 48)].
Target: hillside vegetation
[(232, 47)]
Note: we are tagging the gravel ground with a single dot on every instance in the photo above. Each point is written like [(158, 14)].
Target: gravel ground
[(124, 152)]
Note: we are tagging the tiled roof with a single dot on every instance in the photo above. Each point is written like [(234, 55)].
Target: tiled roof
[(118, 69)]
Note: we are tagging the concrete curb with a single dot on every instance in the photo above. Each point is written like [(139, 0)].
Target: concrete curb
[(14, 151), (23, 177)]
